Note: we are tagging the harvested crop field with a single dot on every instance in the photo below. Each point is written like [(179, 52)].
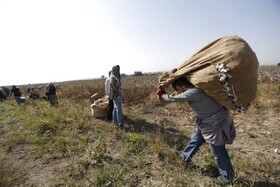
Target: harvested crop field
[(64, 146)]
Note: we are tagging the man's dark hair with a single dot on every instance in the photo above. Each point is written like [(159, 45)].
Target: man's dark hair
[(181, 82)]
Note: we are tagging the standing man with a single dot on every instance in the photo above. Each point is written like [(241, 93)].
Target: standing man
[(111, 102), (52, 95), (29, 88), (116, 95), (17, 93), (214, 125)]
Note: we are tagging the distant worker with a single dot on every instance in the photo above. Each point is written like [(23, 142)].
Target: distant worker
[(29, 88), (51, 94), (34, 94), (116, 95), (17, 93), (111, 102), (2, 94)]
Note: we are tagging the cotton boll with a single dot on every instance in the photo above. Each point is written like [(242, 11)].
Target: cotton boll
[(221, 66), (224, 70)]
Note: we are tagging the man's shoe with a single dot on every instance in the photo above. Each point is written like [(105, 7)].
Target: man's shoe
[(223, 180), (121, 126)]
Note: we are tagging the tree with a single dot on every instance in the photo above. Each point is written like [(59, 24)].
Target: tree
[(138, 73)]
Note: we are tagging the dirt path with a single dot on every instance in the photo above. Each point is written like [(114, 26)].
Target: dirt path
[(23, 170)]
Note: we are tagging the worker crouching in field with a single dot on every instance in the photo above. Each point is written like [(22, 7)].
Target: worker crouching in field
[(17, 94), (214, 125), (3, 95), (34, 94)]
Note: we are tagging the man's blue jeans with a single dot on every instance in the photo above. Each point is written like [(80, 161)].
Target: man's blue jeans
[(219, 151), (117, 111)]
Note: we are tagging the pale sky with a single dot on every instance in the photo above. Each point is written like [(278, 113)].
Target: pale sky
[(45, 41)]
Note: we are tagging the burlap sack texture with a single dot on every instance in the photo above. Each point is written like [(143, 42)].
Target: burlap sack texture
[(94, 97), (199, 69)]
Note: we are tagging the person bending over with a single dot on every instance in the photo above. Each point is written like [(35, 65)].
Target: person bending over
[(214, 125)]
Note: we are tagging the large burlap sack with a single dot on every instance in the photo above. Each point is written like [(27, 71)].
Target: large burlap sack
[(100, 107), (236, 55)]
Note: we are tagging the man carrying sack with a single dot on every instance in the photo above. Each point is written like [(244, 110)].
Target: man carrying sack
[(220, 77), (214, 125)]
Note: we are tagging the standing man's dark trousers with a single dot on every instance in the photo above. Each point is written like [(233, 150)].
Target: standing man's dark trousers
[(110, 110)]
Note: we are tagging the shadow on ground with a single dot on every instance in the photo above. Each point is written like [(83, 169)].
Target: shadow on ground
[(246, 183), (172, 136)]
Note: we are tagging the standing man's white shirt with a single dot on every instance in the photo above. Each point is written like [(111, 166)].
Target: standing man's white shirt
[(107, 86)]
